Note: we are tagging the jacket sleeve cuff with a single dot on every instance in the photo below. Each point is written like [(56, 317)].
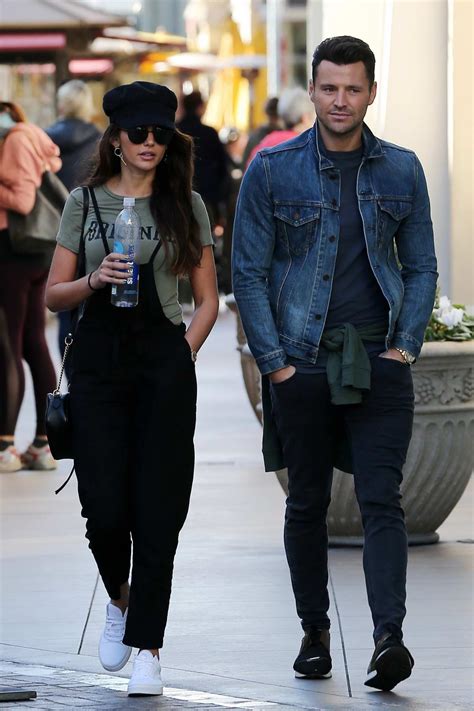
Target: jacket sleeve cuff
[(406, 343), (270, 362)]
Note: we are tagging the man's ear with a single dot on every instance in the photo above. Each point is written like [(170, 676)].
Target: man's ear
[(311, 89), (373, 93)]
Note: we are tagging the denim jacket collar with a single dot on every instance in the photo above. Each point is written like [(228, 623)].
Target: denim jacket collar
[(372, 146)]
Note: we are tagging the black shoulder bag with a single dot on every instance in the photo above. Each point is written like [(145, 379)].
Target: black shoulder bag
[(58, 421)]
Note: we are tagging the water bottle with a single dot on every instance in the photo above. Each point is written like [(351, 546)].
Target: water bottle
[(127, 242)]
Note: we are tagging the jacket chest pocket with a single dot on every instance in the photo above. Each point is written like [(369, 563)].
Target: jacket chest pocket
[(390, 213), (297, 225)]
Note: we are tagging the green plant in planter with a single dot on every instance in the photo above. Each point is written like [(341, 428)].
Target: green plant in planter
[(449, 322)]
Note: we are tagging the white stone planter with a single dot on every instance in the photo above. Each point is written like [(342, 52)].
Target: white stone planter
[(441, 455)]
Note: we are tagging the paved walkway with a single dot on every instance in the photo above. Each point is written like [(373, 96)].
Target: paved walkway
[(232, 633)]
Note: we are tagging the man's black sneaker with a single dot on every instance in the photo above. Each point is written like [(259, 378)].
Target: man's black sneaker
[(314, 660), (391, 663)]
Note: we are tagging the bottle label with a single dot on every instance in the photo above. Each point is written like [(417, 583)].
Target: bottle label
[(132, 278)]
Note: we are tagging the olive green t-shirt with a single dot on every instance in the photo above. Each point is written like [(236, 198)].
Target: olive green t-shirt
[(110, 205)]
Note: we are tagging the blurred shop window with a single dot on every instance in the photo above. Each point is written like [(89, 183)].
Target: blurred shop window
[(33, 87), (297, 50)]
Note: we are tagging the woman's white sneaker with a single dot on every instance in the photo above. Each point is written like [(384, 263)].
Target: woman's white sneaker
[(113, 654), (146, 675)]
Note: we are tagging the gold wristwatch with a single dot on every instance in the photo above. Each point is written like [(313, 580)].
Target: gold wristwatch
[(407, 356)]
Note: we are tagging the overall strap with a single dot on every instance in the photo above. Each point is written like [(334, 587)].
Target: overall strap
[(81, 266), (99, 220), (76, 314), (155, 251)]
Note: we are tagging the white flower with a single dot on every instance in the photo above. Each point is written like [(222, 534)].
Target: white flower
[(444, 303), (450, 317)]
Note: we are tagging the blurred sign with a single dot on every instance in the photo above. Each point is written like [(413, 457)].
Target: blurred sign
[(12, 42), (91, 66)]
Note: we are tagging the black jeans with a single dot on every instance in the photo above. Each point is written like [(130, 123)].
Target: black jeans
[(133, 405), (379, 431)]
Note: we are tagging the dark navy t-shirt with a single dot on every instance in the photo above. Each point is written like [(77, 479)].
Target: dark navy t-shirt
[(356, 297)]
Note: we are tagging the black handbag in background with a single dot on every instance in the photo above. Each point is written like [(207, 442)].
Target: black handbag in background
[(35, 233)]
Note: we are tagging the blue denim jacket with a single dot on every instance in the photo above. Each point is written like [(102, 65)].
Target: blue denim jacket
[(286, 236)]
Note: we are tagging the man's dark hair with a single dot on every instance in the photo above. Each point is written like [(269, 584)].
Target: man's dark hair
[(192, 102), (345, 50)]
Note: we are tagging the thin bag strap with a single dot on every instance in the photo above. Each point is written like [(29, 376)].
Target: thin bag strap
[(81, 270), (99, 220), (64, 484), (68, 343)]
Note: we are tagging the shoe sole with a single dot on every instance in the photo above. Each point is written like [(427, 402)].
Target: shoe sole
[(120, 665), (391, 667), (145, 690), (298, 675)]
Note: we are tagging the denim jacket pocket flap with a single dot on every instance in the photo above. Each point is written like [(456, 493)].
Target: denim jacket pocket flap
[(297, 215), (398, 209)]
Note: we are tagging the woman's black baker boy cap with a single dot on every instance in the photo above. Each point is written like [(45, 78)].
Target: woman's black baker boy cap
[(141, 104)]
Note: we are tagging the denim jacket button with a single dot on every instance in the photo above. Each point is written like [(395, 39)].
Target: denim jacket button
[(332, 238), (296, 215), (318, 317), (334, 202), (326, 277)]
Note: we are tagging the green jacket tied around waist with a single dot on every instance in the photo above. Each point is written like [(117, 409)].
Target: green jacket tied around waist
[(348, 372)]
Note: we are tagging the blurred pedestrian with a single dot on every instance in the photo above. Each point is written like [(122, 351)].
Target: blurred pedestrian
[(335, 276), (77, 138), (133, 383), (210, 167), (297, 115), (273, 124), (25, 153), (231, 139), (210, 170), (74, 133)]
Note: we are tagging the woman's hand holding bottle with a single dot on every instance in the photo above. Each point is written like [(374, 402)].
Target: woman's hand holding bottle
[(114, 269)]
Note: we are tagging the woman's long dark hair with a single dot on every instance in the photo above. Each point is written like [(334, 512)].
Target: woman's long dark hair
[(170, 201)]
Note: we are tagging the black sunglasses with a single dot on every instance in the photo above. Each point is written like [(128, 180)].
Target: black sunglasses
[(139, 134)]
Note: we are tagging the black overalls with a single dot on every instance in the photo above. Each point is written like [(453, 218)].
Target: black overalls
[(133, 407)]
